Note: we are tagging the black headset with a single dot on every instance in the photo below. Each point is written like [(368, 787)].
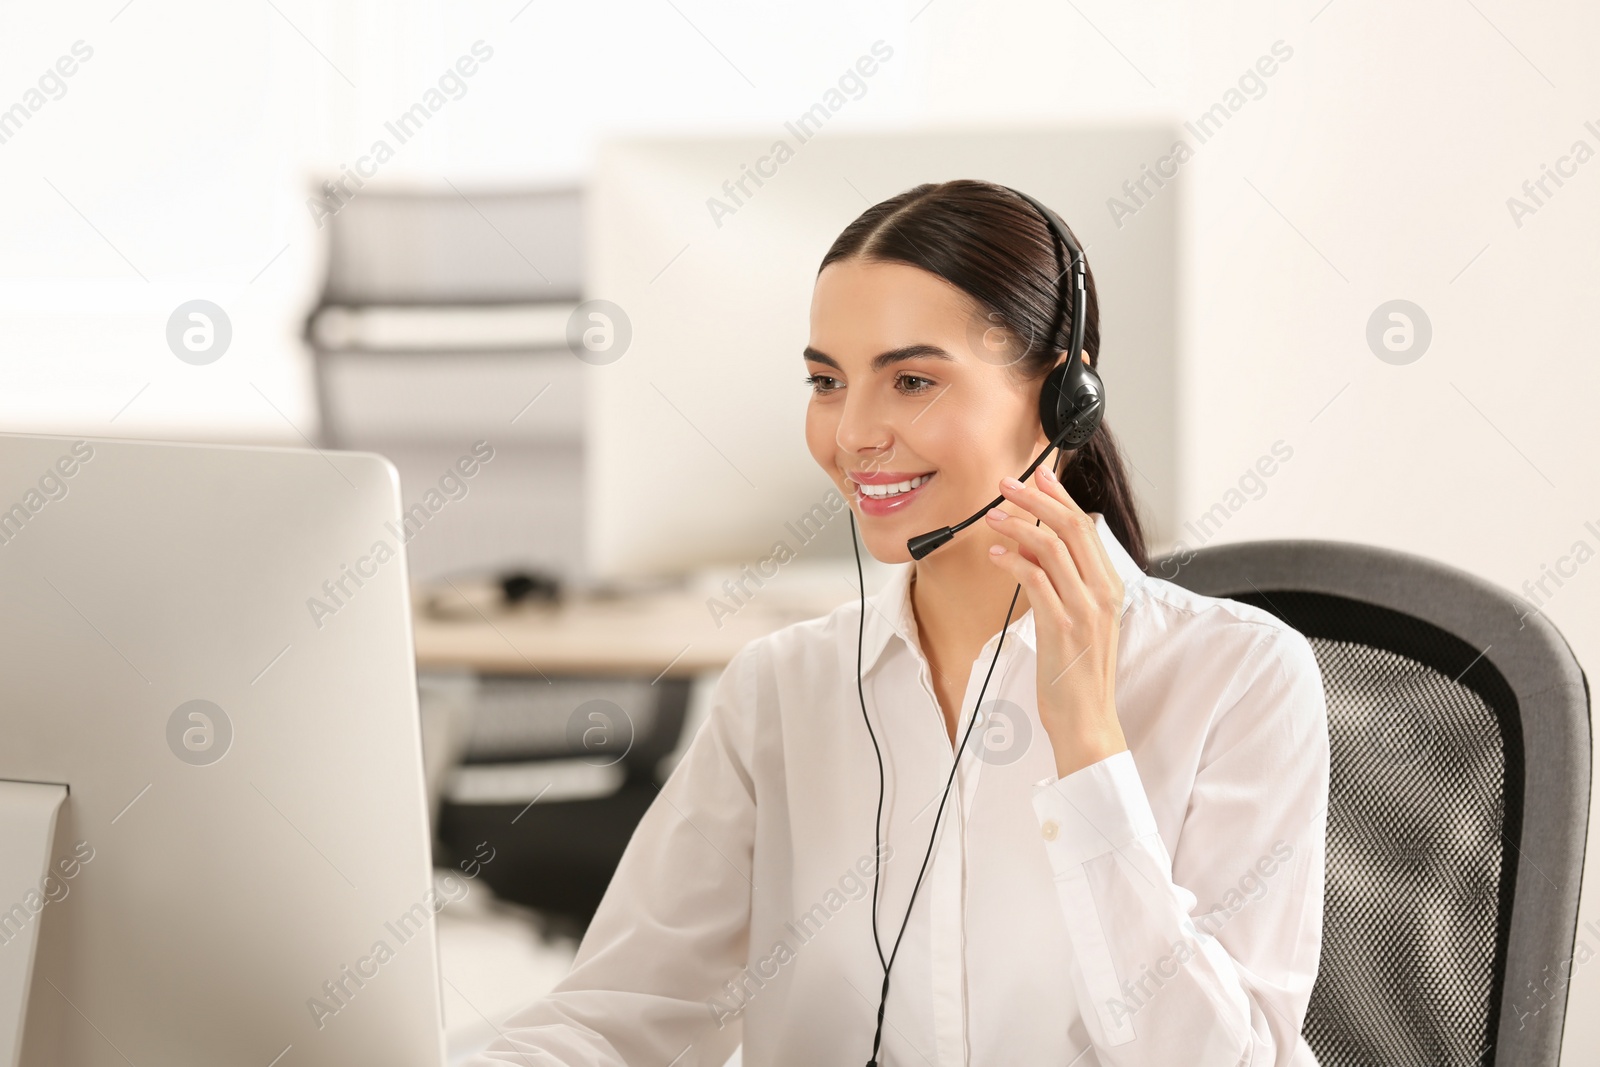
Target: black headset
[(1071, 406)]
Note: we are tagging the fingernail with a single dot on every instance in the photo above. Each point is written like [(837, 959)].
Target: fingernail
[(1010, 483), (997, 550), (998, 514), (1048, 475)]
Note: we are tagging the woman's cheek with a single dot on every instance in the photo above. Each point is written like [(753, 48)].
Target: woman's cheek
[(819, 439)]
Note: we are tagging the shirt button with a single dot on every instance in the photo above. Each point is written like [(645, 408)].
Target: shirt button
[(1049, 829)]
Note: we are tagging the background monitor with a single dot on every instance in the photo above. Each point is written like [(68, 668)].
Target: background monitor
[(694, 436)]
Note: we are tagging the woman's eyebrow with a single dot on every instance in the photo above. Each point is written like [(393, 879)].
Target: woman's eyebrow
[(883, 359)]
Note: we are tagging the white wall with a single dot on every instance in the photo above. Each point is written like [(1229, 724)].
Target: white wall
[(1376, 166), (158, 177)]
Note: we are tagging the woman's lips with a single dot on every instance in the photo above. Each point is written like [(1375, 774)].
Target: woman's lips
[(871, 505)]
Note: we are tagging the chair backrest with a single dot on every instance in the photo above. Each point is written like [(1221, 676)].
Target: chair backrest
[(1458, 804)]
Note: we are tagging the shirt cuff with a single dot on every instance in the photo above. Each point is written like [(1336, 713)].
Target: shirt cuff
[(1094, 810)]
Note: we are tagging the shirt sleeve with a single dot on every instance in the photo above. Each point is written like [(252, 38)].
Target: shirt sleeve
[(1207, 958), (673, 925)]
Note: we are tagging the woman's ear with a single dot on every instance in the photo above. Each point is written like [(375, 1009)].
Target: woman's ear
[(1085, 355)]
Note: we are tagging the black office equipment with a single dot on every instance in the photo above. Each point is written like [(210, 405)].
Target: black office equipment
[(556, 851)]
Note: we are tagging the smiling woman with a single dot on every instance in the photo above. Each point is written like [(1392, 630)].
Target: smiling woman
[(1141, 750), (880, 281)]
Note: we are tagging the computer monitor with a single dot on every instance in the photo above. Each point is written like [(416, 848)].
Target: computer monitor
[(694, 446), (214, 842)]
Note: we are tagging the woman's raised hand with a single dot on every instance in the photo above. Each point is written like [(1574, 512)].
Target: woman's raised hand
[(1076, 597)]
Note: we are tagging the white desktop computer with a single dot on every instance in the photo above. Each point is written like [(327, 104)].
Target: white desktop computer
[(214, 845)]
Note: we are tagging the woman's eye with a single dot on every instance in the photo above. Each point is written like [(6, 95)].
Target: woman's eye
[(909, 384)]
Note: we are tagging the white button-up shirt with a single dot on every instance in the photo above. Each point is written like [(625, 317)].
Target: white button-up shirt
[(1162, 906)]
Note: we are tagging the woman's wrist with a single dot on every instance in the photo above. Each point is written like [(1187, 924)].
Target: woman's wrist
[(1077, 748)]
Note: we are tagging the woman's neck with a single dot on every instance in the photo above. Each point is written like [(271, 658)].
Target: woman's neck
[(959, 598)]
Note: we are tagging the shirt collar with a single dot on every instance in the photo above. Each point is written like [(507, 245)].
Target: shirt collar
[(889, 613)]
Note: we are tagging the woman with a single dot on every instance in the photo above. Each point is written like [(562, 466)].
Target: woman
[(1128, 867)]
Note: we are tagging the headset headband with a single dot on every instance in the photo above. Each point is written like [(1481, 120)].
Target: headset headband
[(1076, 266)]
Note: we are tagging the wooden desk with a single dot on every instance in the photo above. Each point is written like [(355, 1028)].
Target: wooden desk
[(670, 633)]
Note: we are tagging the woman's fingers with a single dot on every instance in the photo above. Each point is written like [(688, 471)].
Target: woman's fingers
[(1050, 615), (1040, 547), (1052, 487), (1075, 528)]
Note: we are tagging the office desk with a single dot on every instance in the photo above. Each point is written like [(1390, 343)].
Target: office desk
[(647, 653), (668, 633)]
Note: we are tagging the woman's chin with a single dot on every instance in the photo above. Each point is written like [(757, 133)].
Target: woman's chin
[(885, 539)]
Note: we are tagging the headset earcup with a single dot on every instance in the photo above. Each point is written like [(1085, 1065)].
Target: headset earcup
[(1071, 385), (1055, 399)]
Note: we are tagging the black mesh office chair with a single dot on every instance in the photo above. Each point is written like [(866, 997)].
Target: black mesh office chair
[(1458, 808)]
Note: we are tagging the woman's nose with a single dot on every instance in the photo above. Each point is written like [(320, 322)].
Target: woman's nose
[(862, 429)]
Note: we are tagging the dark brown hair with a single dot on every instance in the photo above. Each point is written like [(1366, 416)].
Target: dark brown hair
[(992, 245)]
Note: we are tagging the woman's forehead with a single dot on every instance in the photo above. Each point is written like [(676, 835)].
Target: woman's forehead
[(863, 307)]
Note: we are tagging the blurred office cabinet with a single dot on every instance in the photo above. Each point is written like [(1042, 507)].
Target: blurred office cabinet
[(440, 341)]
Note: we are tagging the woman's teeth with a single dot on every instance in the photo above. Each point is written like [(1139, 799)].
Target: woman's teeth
[(879, 492)]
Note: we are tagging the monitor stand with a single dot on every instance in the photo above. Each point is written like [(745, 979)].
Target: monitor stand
[(27, 832)]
